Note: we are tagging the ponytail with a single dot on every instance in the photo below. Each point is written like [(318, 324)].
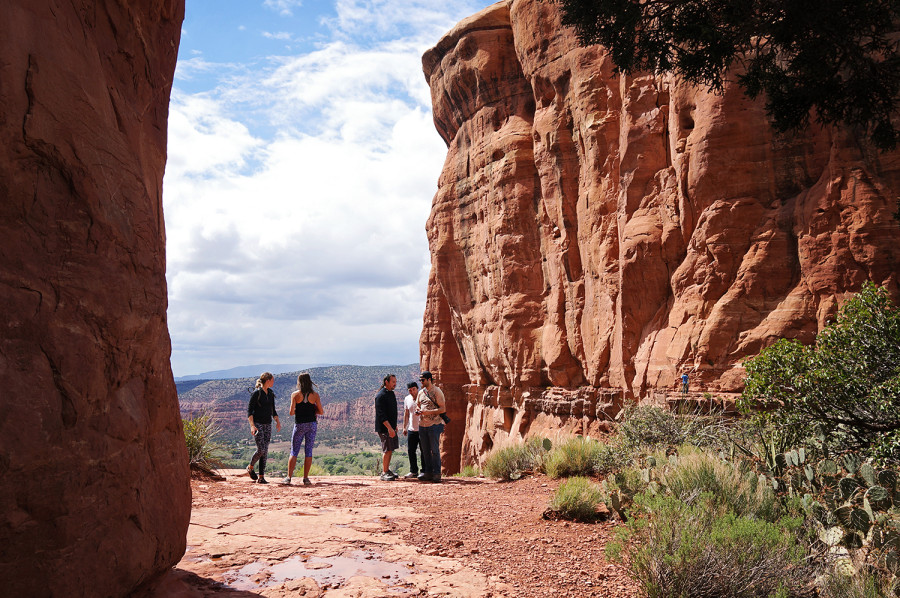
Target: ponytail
[(263, 378)]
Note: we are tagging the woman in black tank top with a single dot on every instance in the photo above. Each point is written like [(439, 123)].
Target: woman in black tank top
[(306, 406)]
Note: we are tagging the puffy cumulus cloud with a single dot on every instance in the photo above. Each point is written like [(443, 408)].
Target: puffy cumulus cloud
[(205, 140), (296, 197)]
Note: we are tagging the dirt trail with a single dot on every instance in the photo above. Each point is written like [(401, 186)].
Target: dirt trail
[(360, 537)]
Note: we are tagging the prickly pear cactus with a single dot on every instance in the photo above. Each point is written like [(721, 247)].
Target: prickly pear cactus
[(855, 506)]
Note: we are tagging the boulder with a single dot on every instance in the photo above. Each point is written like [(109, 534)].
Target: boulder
[(95, 499)]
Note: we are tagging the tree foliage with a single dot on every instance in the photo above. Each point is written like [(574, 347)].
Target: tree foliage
[(835, 58), (845, 387)]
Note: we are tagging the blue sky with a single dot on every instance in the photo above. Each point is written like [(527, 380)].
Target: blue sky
[(302, 163)]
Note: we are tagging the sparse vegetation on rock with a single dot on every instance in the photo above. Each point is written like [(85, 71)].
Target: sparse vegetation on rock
[(201, 435)]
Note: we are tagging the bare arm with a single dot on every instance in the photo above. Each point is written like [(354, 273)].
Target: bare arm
[(318, 401), (405, 418)]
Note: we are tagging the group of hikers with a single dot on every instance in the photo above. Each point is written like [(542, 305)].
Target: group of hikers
[(424, 416)]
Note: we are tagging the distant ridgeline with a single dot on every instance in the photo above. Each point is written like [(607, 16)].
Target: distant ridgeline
[(347, 393)]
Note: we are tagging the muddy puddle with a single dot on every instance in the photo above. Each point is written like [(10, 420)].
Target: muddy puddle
[(325, 571)]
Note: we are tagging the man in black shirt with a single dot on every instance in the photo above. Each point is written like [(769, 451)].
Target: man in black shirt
[(386, 424)]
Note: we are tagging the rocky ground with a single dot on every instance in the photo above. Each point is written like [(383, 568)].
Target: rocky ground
[(360, 537)]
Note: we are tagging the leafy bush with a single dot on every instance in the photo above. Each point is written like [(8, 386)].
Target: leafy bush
[(610, 457), (648, 426), (511, 462), (846, 387), (576, 498), (574, 457), (698, 549), (200, 434)]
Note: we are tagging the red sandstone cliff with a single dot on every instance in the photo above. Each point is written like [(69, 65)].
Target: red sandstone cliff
[(95, 498), (594, 236)]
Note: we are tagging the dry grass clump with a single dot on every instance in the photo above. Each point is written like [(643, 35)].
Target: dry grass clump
[(512, 462), (573, 457), (735, 488), (576, 498)]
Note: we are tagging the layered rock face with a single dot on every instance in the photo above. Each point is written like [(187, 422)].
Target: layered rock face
[(594, 236), (95, 498)]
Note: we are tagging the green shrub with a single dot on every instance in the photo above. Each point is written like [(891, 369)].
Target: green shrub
[(858, 585), (511, 462), (611, 457), (200, 434), (577, 499), (846, 387), (699, 549), (469, 471), (646, 427), (735, 488), (574, 457), (314, 469)]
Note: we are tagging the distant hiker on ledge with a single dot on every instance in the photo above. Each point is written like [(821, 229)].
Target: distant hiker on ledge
[(684, 385), (386, 425), (260, 412), (306, 406), (432, 408), (411, 428)]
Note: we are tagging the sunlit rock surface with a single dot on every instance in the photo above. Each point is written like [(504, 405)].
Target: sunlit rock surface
[(95, 495), (594, 236)]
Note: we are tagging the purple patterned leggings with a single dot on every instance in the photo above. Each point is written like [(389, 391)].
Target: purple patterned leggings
[(305, 431), (263, 437)]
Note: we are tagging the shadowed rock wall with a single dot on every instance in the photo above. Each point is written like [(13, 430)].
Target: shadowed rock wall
[(594, 236), (95, 498)]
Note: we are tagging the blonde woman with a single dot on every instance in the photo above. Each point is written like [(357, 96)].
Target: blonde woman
[(260, 412), (306, 406)]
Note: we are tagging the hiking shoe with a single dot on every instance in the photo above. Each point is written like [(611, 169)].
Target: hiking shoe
[(261, 480), (252, 473), (436, 480), (286, 481), (424, 477), (307, 482), (387, 477), (411, 475), (390, 471)]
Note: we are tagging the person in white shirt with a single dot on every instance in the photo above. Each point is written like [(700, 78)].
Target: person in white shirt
[(411, 428)]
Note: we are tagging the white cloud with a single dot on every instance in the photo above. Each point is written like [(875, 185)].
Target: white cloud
[(283, 7), (281, 35), (296, 196)]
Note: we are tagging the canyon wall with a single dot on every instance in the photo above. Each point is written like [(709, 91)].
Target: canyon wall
[(95, 499), (595, 236)]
